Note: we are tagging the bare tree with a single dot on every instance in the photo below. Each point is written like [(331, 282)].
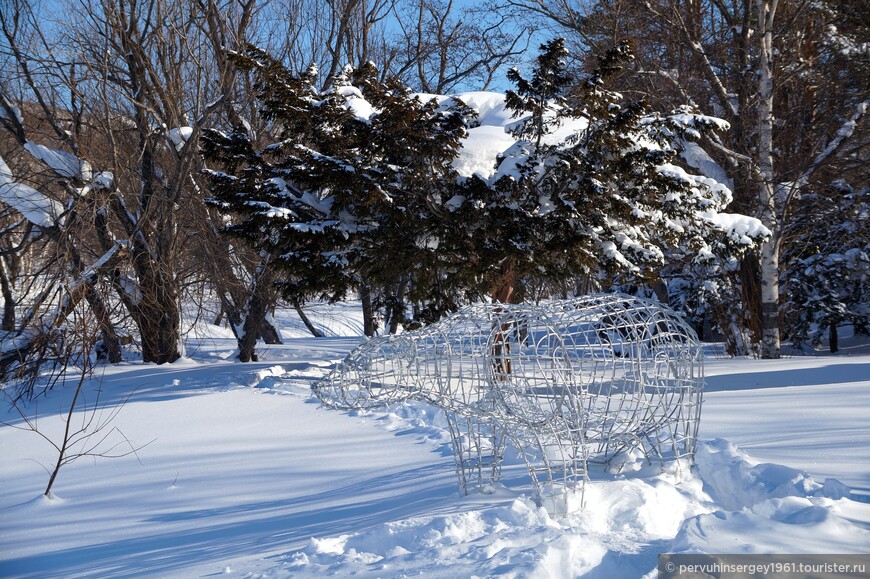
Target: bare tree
[(443, 46), (328, 34), (110, 109), (88, 424), (436, 46)]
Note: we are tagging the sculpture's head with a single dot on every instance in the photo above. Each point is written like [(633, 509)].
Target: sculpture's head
[(377, 373)]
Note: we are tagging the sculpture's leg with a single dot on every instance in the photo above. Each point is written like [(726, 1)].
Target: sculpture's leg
[(556, 460), (478, 450), (498, 441)]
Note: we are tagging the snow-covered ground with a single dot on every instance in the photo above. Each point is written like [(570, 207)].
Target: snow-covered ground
[(239, 471)]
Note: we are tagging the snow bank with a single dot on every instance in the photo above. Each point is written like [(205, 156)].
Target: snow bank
[(480, 150), (731, 505), (736, 481), (441, 545), (489, 106), (488, 139), (770, 508)]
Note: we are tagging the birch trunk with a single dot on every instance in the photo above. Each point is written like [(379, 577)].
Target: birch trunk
[(770, 338)]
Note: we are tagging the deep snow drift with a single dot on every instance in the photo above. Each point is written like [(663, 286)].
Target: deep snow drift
[(239, 471)]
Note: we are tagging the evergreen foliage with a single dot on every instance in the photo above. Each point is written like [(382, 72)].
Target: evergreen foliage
[(591, 185), (540, 98), (828, 274), (358, 187), (351, 171)]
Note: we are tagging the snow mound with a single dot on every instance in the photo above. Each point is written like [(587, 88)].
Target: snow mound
[(810, 525), (489, 106), (480, 149), (516, 540), (729, 504), (736, 481), (769, 508), (488, 139)]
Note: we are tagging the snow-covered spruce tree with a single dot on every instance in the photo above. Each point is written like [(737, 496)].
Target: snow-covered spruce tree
[(828, 273), (790, 77), (411, 146), (343, 195), (591, 185), (248, 189)]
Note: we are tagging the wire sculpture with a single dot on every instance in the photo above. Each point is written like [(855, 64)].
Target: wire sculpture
[(566, 382)]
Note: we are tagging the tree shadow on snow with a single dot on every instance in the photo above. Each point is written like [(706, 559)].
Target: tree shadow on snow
[(778, 378), (267, 526)]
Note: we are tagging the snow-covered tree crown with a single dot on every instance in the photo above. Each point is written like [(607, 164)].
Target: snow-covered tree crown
[(349, 171), (593, 181), (361, 181)]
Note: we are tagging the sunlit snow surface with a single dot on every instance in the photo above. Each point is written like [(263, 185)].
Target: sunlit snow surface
[(239, 472)]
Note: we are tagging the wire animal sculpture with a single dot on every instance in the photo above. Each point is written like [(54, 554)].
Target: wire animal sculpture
[(566, 382)]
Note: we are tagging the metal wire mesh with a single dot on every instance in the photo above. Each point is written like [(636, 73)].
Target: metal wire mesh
[(566, 382)]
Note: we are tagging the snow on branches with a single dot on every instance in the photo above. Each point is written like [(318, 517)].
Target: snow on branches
[(351, 171), (556, 178)]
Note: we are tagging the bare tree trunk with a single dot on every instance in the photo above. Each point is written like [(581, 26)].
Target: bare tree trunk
[(749, 324), (111, 343), (256, 309), (834, 339), (770, 338), (398, 306), (503, 292), (302, 316), (160, 325), (365, 296), (268, 332)]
